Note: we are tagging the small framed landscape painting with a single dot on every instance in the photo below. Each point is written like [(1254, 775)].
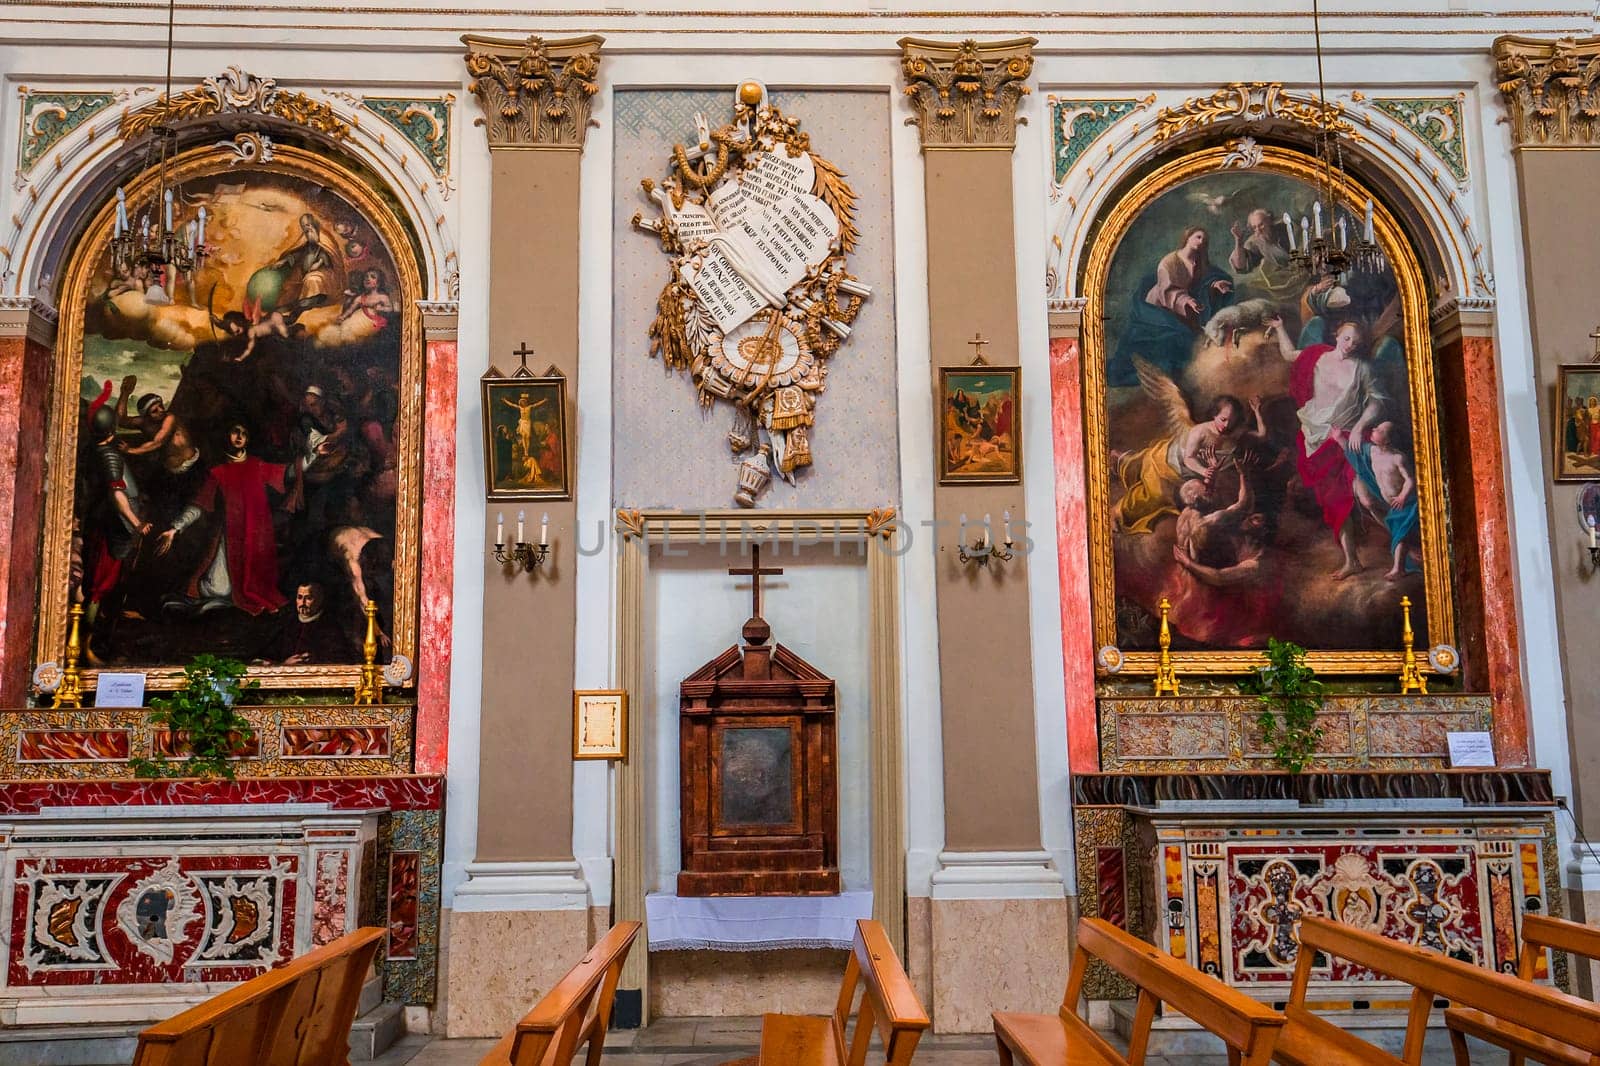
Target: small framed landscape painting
[(1577, 445), (980, 432), (525, 437), (600, 724)]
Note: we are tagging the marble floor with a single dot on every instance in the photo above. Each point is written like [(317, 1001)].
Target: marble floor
[(712, 1041)]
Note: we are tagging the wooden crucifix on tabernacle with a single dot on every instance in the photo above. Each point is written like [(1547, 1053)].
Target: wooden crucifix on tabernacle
[(755, 572)]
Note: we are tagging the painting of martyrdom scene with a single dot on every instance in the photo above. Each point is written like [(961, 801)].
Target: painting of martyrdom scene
[(980, 440), (1577, 449), (525, 421), (1258, 427), (237, 464)]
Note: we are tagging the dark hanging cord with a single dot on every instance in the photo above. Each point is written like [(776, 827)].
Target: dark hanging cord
[(1323, 138), (1561, 801)]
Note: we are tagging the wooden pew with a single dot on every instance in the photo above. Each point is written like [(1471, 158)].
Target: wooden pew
[(1310, 1040), (296, 1015), (1249, 1028), (576, 1010), (888, 1004), (1538, 934)]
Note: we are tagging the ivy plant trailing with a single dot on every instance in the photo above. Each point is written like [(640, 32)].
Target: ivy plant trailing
[(201, 714), (1291, 697)]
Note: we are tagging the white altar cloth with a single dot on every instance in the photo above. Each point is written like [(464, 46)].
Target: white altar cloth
[(753, 923)]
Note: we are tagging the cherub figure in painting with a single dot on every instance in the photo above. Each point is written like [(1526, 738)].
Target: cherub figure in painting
[(1192, 450), (1387, 487)]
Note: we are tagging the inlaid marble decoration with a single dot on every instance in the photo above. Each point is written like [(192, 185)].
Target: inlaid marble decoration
[(854, 441)]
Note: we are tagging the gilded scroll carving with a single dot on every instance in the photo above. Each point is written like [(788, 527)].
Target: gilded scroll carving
[(235, 92), (1251, 102), (1552, 89), (534, 93), (966, 95)]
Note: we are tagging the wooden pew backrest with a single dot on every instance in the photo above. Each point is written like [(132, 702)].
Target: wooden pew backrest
[(576, 1010), (889, 1003), (1540, 932), (1433, 976), (1247, 1026), (296, 1015)]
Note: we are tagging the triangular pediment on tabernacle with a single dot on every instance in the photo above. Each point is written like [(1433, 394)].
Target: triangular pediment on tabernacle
[(728, 668)]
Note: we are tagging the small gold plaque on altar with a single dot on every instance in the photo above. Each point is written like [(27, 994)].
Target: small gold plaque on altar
[(600, 724)]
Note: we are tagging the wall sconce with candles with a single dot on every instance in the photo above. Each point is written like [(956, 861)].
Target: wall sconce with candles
[(522, 555), (984, 549)]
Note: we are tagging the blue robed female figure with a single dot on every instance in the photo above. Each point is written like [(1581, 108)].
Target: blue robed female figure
[(1171, 306)]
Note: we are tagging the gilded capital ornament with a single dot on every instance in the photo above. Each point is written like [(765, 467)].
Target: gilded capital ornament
[(966, 94), (534, 93), (1552, 89)]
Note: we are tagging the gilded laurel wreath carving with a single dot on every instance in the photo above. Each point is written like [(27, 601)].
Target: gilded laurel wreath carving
[(235, 92), (758, 298)]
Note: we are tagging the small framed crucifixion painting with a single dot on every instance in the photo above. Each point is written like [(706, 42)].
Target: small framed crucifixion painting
[(525, 434), (600, 724)]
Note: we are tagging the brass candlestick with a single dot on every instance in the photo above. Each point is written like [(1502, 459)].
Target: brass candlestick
[(1411, 679), (70, 692), (369, 690), (1166, 676)]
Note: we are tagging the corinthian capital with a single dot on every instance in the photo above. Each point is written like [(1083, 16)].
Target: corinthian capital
[(1552, 89), (966, 94), (534, 93)]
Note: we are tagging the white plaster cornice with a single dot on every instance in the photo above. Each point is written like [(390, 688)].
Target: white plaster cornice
[(997, 875), (523, 886)]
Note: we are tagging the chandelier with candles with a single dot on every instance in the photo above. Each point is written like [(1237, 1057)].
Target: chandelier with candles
[(1328, 245), (143, 232)]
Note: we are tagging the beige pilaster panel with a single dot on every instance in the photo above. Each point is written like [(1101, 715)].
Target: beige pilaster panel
[(1552, 92), (965, 97), (534, 96)]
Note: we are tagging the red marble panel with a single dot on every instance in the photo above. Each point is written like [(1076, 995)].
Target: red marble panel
[(438, 557), (418, 793), (330, 898), (24, 381), (337, 742), (72, 745), (1111, 884), (404, 881), (1072, 547), (150, 919), (165, 742)]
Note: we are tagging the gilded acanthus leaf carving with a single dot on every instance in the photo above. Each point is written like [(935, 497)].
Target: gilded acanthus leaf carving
[(534, 92), (1552, 89), (235, 92), (966, 95), (1251, 102)]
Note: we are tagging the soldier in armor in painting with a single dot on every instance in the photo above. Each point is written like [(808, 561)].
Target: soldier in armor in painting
[(116, 529)]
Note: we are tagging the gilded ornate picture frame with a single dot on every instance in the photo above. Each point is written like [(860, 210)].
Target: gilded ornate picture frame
[(980, 425), (1576, 451), (600, 724), (1243, 532), (525, 446), (299, 352)]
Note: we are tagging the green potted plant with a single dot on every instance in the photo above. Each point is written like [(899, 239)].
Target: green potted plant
[(1290, 697), (203, 718)]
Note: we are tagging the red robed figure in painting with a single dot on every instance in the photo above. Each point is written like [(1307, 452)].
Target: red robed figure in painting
[(241, 566), (1325, 471)]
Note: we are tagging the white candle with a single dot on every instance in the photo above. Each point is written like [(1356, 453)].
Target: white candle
[(1343, 235), (1316, 218), (168, 199), (201, 236), (122, 211), (1305, 234), (520, 539), (500, 528), (1592, 542), (1288, 225), (1366, 233), (983, 540), (1008, 529), (544, 529)]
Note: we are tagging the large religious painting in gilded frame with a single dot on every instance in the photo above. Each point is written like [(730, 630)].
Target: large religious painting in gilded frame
[(234, 451), (1262, 445)]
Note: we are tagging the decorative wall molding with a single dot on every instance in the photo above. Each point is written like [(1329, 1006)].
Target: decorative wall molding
[(1249, 103), (47, 117), (1436, 120), (966, 94), (997, 875), (534, 93), (1552, 90), (1076, 124), (235, 92), (424, 122)]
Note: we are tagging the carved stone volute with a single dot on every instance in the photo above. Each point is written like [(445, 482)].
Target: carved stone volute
[(534, 93), (1552, 89), (966, 94)]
